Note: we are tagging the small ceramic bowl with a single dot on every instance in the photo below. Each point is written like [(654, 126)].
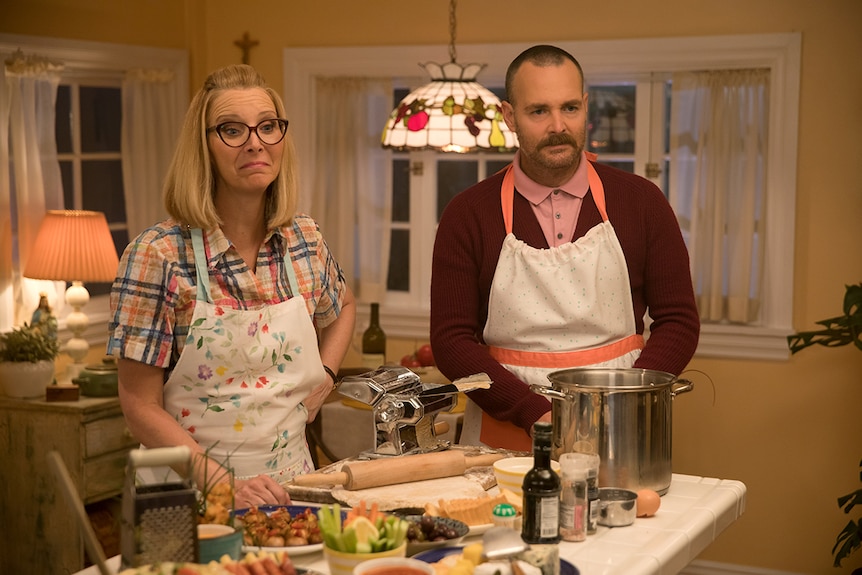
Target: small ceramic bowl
[(510, 472), (459, 528), (215, 541), (341, 563), (617, 507), (394, 566)]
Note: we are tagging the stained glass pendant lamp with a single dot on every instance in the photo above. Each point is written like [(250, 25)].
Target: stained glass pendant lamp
[(452, 113)]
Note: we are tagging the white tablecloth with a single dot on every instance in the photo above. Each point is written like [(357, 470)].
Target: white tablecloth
[(693, 513)]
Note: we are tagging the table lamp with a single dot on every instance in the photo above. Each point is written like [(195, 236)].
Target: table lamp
[(76, 246)]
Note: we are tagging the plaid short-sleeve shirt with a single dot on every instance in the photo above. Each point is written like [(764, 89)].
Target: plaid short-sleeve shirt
[(153, 296)]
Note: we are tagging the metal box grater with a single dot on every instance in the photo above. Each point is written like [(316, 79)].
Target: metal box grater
[(159, 521)]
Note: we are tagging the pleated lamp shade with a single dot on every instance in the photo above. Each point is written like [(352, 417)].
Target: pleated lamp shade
[(73, 245)]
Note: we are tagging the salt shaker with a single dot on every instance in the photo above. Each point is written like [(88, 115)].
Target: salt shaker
[(574, 503), (590, 462)]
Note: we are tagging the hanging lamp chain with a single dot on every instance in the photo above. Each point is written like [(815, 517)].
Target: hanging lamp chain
[(452, 4)]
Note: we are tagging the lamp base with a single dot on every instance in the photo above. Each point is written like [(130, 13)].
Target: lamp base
[(77, 321)]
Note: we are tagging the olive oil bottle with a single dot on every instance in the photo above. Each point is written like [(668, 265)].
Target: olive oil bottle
[(541, 487), (374, 341), (541, 521)]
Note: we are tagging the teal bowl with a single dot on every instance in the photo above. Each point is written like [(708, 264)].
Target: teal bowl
[(215, 541)]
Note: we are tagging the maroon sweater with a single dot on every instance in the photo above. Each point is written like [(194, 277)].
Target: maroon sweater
[(467, 246)]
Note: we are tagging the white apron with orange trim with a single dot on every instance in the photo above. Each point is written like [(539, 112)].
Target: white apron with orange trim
[(552, 309), (239, 383)]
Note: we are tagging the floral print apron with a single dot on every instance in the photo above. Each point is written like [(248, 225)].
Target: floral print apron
[(239, 383), (552, 309)]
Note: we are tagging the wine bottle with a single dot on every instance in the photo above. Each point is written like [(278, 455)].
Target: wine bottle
[(541, 487), (374, 341)]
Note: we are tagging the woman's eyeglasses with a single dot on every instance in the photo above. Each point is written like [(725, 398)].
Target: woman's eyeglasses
[(236, 134)]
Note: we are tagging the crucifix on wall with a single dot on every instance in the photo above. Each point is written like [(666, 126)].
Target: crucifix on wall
[(245, 44)]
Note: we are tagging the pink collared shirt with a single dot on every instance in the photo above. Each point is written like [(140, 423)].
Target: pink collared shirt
[(557, 208)]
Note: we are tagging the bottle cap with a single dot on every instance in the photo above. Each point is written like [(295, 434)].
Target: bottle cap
[(504, 515), (504, 510)]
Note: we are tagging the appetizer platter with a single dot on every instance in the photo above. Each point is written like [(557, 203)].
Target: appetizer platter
[(278, 563), (287, 528)]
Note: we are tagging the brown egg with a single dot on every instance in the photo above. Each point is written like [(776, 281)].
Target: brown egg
[(648, 502)]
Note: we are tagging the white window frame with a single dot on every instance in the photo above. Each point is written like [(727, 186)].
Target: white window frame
[(604, 60), (95, 60)]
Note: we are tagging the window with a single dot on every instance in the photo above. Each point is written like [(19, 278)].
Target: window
[(91, 149), (612, 69), (423, 184), (89, 117)]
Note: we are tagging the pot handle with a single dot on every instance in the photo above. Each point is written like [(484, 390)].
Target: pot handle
[(680, 386), (548, 391)]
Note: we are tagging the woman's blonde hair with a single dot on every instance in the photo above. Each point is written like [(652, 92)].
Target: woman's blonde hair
[(190, 184)]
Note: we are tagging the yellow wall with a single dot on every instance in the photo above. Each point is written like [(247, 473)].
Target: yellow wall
[(789, 430)]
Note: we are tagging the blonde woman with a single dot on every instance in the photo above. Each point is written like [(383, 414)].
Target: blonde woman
[(231, 317)]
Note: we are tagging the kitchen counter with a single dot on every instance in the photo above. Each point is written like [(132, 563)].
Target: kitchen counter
[(693, 513)]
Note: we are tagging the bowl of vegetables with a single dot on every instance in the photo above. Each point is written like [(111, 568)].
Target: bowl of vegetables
[(427, 532), (359, 536)]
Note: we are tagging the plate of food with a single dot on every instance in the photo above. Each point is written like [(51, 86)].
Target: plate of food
[(477, 529), (258, 562), (426, 532), (290, 528), (444, 557)]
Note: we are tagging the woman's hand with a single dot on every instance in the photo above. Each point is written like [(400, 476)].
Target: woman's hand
[(259, 490)]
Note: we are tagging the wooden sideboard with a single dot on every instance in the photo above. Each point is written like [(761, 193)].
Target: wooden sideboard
[(40, 533)]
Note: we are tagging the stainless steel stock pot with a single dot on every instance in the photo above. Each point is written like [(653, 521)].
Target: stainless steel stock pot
[(623, 415)]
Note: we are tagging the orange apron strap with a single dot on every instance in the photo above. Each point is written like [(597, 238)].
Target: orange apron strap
[(598, 190), (507, 197), (504, 435), (566, 359)]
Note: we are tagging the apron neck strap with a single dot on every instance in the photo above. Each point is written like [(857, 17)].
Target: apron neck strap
[(507, 193), (291, 274), (203, 293)]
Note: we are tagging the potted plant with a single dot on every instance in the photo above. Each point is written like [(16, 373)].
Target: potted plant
[(27, 357), (836, 332)]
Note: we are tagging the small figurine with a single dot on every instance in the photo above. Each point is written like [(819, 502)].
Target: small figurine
[(43, 318)]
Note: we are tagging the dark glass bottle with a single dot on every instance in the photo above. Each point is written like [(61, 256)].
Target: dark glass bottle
[(541, 521), (374, 341)]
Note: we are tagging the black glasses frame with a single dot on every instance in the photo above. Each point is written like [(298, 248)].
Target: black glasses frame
[(282, 124)]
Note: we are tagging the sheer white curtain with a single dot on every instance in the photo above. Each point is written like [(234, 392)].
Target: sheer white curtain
[(151, 122), (718, 139), (349, 198), (29, 179)]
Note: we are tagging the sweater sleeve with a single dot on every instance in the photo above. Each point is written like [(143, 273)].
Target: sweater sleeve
[(658, 266), (467, 245), (666, 292)]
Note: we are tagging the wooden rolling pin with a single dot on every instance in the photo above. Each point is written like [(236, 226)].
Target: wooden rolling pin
[(356, 475)]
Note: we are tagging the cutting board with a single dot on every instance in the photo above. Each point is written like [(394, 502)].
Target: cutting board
[(475, 482)]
